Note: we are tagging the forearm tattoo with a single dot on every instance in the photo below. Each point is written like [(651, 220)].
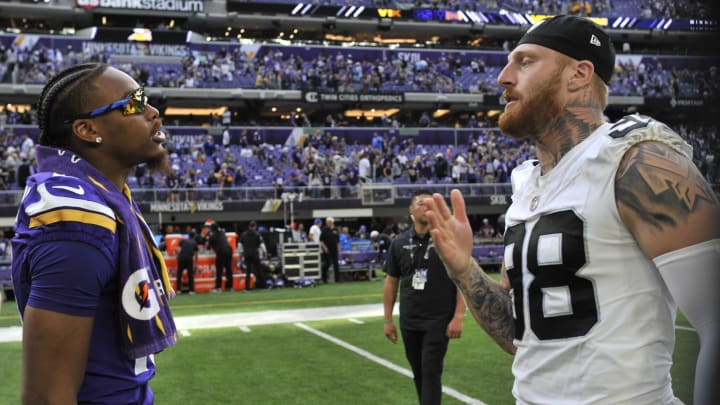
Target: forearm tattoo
[(490, 305), (660, 186)]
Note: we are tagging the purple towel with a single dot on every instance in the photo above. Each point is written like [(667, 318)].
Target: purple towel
[(146, 319)]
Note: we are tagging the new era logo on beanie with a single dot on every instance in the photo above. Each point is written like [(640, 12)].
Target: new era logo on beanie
[(576, 37)]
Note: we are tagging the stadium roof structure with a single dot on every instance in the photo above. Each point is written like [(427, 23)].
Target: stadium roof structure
[(232, 22), (419, 23)]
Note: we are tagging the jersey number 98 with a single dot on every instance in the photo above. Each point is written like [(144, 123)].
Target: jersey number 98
[(552, 271)]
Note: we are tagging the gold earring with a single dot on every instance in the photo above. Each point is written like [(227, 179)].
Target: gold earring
[(98, 140)]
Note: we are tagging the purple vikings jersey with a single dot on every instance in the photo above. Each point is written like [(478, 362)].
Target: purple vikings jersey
[(66, 254)]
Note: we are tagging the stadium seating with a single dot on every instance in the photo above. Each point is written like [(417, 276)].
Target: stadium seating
[(429, 143), (321, 68)]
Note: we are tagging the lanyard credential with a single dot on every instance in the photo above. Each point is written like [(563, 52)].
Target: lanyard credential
[(420, 274), (425, 255)]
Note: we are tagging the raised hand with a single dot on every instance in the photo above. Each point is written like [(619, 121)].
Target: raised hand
[(451, 232), (487, 300)]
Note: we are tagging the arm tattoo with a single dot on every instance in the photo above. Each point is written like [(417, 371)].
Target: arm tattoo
[(660, 186), (490, 305)]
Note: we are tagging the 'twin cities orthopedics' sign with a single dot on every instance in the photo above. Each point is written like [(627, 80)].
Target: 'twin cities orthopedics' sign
[(317, 97), (158, 5)]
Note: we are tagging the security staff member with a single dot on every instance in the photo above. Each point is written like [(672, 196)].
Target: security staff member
[(250, 240), (186, 258), (330, 244), (431, 307), (218, 242)]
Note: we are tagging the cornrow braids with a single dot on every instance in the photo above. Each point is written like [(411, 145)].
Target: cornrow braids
[(64, 96)]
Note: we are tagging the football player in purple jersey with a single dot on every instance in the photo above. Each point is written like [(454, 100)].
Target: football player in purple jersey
[(90, 283)]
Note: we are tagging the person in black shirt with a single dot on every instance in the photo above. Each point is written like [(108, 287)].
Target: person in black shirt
[(24, 170), (380, 241), (250, 240), (441, 166), (330, 243), (431, 307), (327, 181), (187, 255), (218, 242)]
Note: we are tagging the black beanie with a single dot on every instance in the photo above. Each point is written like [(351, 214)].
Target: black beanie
[(576, 37)]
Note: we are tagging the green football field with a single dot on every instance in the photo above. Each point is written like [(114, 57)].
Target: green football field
[(339, 361)]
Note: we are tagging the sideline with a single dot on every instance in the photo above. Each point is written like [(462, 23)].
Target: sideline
[(392, 366), (175, 306), (242, 320), (278, 316), (186, 323)]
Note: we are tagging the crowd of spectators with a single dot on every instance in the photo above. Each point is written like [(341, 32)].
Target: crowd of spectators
[(326, 165), (654, 80), (606, 8), (326, 160), (308, 68), (17, 161), (673, 9), (595, 8), (706, 149)]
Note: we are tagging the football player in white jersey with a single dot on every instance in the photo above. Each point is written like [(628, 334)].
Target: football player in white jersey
[(609, 231)]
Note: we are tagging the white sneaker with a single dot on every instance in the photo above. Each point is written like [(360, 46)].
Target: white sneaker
[(217, 290)]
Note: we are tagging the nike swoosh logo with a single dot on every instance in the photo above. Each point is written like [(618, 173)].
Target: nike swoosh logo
[(77, 190)]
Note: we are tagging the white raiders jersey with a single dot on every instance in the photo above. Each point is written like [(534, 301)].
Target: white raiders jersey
[(594, 321)]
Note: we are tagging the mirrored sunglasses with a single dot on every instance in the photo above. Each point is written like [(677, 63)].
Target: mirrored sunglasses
[(133, 103)]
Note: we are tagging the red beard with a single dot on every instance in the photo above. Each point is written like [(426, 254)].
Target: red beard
[(533, 113)]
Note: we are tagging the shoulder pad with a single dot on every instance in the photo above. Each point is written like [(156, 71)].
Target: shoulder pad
[(61, 198), (627, 124)]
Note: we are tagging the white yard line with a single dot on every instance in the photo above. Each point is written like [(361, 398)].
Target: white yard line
[(392, 366), (11, 334)]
